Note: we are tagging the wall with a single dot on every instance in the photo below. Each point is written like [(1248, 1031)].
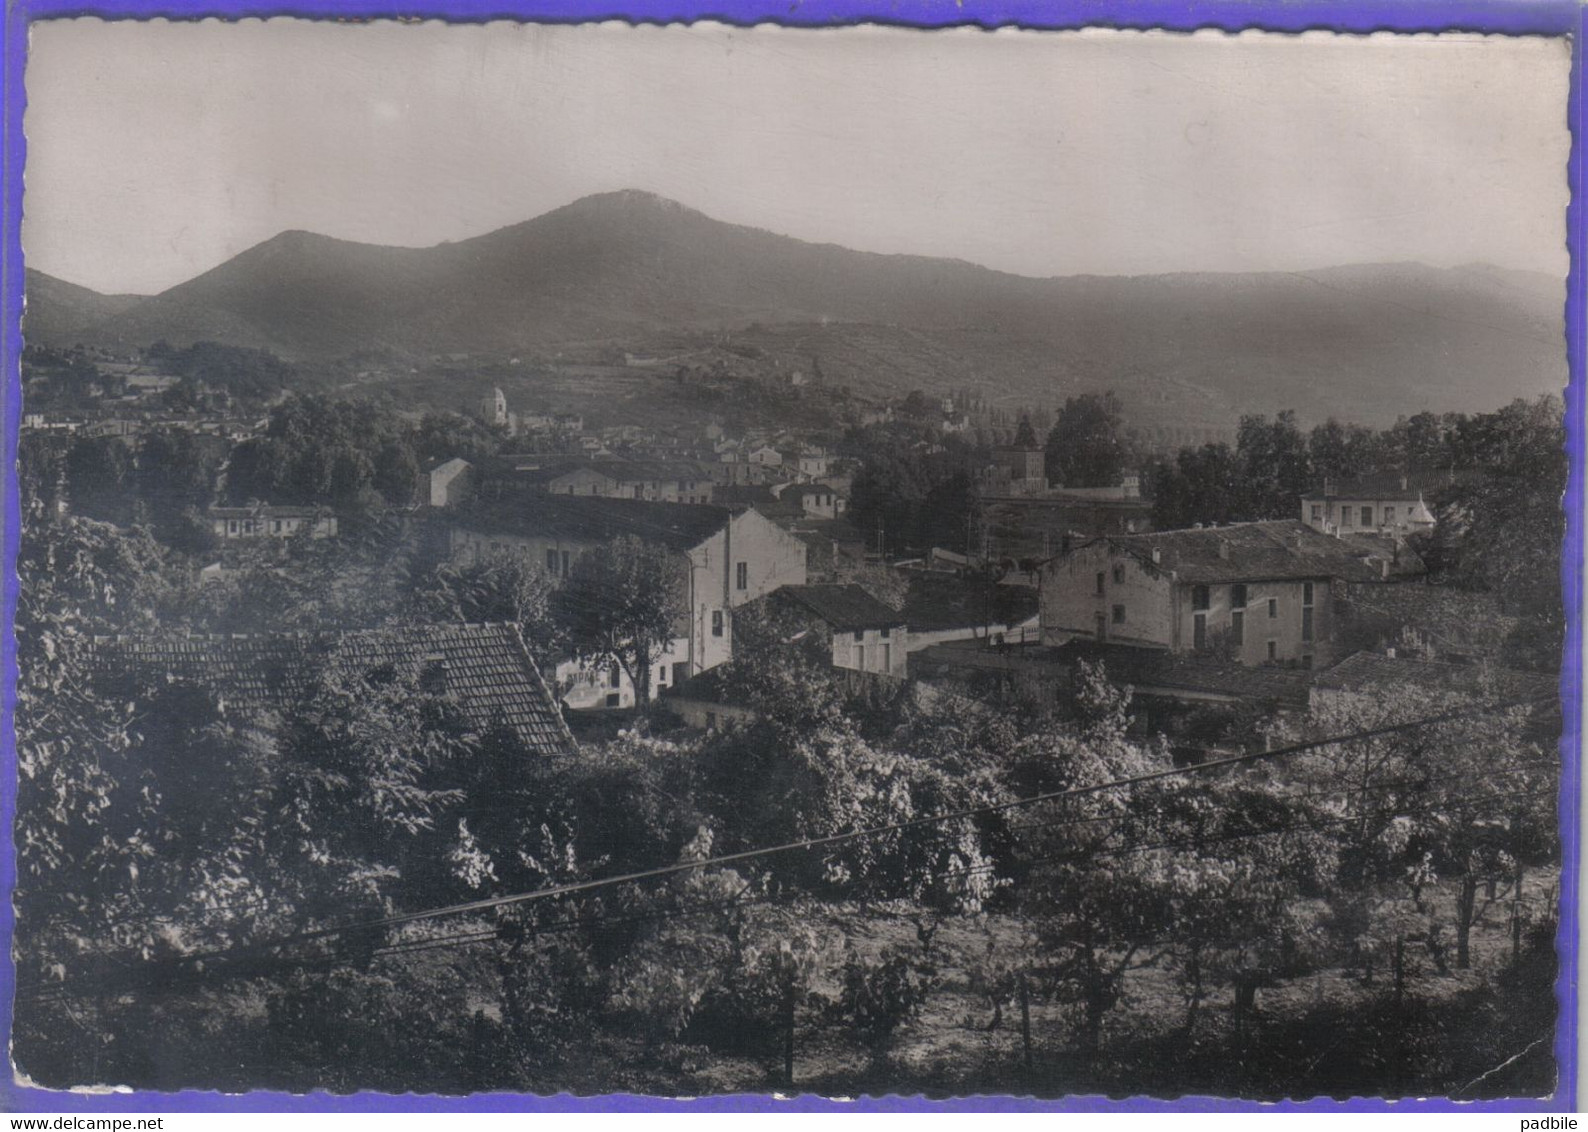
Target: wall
[(586, 689), (1284, 628), (1410, 515), (1070, 603), (894, 643)]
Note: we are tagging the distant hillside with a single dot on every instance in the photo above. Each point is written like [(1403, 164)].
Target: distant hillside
[(60, 313), (1364, 342)]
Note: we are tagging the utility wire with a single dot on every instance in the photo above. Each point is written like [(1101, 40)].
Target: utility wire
[(839, 838)]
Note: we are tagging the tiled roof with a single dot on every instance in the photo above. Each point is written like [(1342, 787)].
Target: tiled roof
[(843, 607), (487, 668), (1159, 668), (1370, 670), (1278, 550), (596, 519)]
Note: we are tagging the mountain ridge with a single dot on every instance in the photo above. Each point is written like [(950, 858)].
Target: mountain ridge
[(627, 266)]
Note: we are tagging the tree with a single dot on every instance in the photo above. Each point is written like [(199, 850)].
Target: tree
[(1343, 452), (500, 587), (1274, 467), (1025, 435), (1506, 515), (99, 472), (1086, 447), (1203, 485), (618, 605)]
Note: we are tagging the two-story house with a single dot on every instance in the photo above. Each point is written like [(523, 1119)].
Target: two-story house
[(1392, 505), (726, 557), (1250, 592)]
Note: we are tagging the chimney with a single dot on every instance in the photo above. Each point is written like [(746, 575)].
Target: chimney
[(1328, 485), (1157, 556), (1389, 651), (1224, 549), (1403, 483), (1384, 569)]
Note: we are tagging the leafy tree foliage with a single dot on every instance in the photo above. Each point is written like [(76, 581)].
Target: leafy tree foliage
[(1087, 447), (618, 606)]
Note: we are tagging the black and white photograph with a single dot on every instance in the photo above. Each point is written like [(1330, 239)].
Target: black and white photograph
[(684, 560)]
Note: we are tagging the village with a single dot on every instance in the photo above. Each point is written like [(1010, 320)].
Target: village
[(481, 641)]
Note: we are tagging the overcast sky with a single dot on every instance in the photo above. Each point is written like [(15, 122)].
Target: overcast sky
[(158, 150)]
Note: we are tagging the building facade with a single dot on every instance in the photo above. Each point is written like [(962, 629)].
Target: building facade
[(1255, 593)]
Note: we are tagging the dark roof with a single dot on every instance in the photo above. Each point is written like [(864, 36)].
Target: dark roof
[(488, 669), (650, 471), (938, 601), (1404, 561), (1387, 486), (759, 496), (818, 489), (596, 519), (843, 607), (1278, 550), (1159, 668), (1366, 671)]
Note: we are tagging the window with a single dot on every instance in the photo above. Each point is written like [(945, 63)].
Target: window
[(886, 633), (1367, 516), (1345, 516), (613, 699), (1199, 632), (1273, 650), (1389, 515), (1306, 593), (741, 578), (1306, 660), (1119, 614), (1306, 622), (716, 622), (711, 721), (661, 676), (1238, 627), (1273, 608), (860, 657), (565, 562), (615, 677), (860, 634), (887, 658), (1199, 597), (1317, 512), (1238, 597), (1101, 579), (1102, 627), (551, 562), (1119, 573)]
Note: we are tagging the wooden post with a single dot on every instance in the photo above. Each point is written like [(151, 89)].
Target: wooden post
[(1025, 1019)]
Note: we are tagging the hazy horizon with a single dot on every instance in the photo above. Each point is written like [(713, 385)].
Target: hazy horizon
[(158, 150)]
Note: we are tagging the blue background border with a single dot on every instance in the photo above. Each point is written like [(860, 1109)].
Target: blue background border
[(1513, 17)]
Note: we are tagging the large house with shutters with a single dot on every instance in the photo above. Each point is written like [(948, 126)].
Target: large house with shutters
[(727, 557), (1255, 593)]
